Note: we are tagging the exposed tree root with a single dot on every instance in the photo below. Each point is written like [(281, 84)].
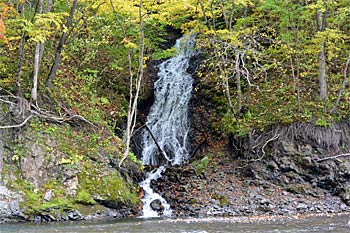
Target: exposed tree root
[(18, 112), (254, 146)]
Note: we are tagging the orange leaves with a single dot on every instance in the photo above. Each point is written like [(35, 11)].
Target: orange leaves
[(5, 11), (3, 38)]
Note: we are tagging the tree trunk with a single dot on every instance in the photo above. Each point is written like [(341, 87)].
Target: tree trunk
[(34, 92), (224, 14), (42, 45), (298, 83), (345, 75), (20, 59), (57, 59), (132, 111), (322, 70), (238, 82), (320, 17), (203, 11)]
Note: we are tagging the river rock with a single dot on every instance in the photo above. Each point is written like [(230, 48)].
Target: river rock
[(74, 215), (157, 205), (346, 195)]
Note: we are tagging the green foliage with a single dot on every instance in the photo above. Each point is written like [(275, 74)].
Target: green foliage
[(280, 42), (202, 164), (272, 46), (323, 122), (223, 201), (84, 197), (133, 158), (162, 54)]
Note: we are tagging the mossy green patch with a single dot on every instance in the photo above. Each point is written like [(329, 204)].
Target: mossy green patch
[(89, 209), (109, 185), (84, 197), (202, 164), (223, 201)]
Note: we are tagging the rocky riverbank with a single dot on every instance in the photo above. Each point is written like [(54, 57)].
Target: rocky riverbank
[(222, 191), (308, 175)]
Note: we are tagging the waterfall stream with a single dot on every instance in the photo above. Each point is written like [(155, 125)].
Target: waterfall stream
[(168, 121)]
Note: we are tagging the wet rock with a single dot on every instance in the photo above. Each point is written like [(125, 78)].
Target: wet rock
[(302, 206), (346, 195), (48, 218), (75, 215), (157, 205), (343, 207), (9, 205), (37, 219), (264, 201)]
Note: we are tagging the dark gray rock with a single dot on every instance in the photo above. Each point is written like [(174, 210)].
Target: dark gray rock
[(289, 147), (75, 215), (9, 205), (157, 205), (346, 195)]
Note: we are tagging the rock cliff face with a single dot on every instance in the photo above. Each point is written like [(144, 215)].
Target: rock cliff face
[(55, 172), (300, 168)]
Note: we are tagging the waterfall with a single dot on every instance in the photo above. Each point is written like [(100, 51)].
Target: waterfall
[(168, 121)]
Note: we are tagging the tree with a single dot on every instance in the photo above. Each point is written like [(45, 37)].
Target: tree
[(133, 99), (34, 93), (321, 13), (61, 43)]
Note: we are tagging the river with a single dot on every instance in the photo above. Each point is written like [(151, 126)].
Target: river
[(201, 225)]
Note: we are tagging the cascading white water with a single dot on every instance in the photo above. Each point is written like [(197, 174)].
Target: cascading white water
[(168, 121), (151, 196)]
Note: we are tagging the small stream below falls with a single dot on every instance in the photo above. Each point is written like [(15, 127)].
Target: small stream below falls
[(166, 137)]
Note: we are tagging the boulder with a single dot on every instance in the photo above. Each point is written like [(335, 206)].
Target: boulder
[(157, 205), (346, 195)]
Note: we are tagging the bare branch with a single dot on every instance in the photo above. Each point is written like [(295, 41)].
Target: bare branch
[(17, 126), (333, 157), (334, 109)]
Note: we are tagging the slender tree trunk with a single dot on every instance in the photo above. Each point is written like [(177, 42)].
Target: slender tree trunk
[(293, 72), (42, 45), (345, 75), (298, 82), (61, 43), (132, 111), (227, 90), (323, 93), (212, 14), (34, 92), (239, 88), (203, 11), (20, 58), (224, 14), (322, 70)]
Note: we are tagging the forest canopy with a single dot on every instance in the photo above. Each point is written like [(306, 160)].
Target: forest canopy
[(262, 61)]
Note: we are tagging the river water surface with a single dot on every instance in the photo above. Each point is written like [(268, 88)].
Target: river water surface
[(311, 224)]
